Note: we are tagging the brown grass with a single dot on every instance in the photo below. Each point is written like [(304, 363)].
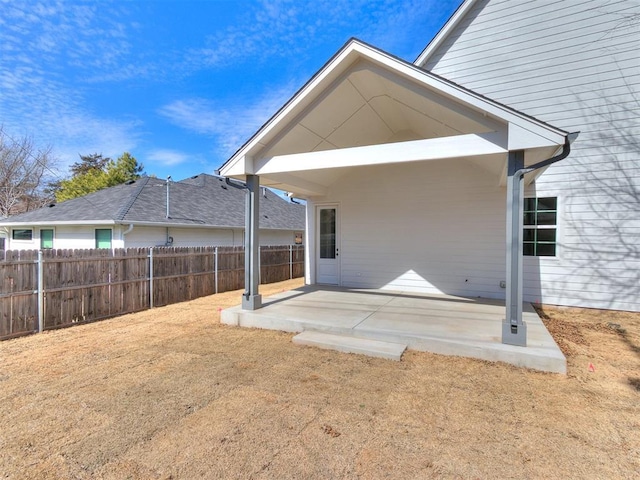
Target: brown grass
[(171, 393)]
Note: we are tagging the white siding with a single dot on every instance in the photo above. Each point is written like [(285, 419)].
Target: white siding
[(576, 65), (66, 236), (142, 236), (436, 227), (83, 237)]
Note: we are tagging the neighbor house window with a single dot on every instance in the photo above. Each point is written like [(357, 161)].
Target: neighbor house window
[(540, 226), (22, 234), (103, 238), (46, 239)]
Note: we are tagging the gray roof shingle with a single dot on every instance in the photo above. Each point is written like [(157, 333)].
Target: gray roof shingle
[(203, 200)]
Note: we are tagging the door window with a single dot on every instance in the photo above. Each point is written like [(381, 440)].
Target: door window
[(328, 233)]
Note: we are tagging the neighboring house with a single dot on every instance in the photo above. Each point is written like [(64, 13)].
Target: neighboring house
[(199, 211), (576, 65), (408, 174)]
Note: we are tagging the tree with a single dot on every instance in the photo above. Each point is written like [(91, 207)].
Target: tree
[(95, 161), (23, 169), (94, 172)]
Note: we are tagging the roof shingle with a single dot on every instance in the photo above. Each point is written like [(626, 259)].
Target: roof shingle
[(203, 200)]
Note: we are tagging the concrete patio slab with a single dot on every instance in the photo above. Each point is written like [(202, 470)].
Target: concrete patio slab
[(348, 344), (449, 325)]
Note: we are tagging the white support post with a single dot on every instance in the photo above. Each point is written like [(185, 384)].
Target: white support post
[(150, 277), (514, 330), (251, 299), (40, 293)]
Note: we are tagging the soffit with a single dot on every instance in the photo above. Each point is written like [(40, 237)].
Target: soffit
[(368, 105)]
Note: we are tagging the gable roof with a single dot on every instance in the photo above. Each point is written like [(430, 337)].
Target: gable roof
[(203, 200), (345, 62)]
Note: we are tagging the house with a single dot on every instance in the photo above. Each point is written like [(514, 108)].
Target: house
[(415, 174), (200, 211), (576, 65)]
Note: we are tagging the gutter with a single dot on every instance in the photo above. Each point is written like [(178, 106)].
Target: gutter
[(566, 150)]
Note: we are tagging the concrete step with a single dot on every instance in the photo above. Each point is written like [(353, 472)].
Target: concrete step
[(341, 343)]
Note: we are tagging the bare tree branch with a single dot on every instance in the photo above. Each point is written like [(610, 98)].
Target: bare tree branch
[(22, 170)]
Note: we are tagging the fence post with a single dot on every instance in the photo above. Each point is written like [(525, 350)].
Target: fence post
[(40, 293), (215, 272), (150, 277), (290, 262)]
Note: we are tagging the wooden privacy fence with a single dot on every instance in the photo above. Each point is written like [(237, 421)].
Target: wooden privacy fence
[(41, 290)]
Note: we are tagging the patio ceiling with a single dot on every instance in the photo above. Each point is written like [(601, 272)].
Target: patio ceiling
[(366, 108)]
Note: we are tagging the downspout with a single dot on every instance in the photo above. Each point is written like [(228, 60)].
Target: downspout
[(125, 232), (566, 150), (514, 330), (168, 181)]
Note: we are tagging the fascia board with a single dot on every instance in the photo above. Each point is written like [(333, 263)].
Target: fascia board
[(236, 168), (90, 223), (59, 223), (522, 138)]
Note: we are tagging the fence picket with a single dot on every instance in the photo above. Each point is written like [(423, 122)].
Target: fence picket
[(79, 286)]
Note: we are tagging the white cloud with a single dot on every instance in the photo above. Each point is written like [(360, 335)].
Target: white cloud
[(283, 28), (167, 157), (231, 123), (41, 97)]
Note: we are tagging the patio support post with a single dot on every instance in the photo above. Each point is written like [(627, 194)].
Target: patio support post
[(251, 299), (514, 330)]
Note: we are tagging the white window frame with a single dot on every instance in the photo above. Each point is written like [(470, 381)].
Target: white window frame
[(53, 239), (21, 240), (95, 238)]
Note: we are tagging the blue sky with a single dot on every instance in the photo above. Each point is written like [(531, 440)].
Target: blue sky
[(178, 84)]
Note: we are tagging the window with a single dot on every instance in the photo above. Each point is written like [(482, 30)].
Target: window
[(46, 239), (328, 233), (25, 234), (103, 238), (540, 222)]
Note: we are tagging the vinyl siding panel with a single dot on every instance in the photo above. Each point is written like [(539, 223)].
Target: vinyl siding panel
[(83, 237), (434, 227), (203, 237), (576, 65)]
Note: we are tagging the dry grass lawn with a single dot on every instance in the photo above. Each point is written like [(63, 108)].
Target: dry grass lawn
[(172, 394)]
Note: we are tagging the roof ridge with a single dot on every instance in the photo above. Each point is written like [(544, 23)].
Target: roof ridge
[(127, 206)]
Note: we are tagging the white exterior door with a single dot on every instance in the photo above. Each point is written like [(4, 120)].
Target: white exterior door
[(328, 252)]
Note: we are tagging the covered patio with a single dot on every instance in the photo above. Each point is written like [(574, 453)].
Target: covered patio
[(443, 324), (412, 184)]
